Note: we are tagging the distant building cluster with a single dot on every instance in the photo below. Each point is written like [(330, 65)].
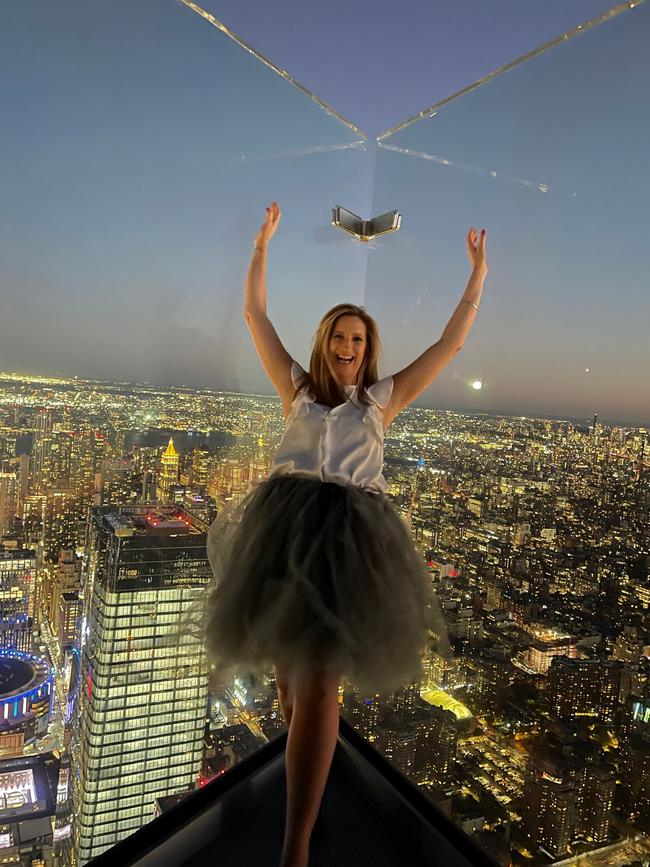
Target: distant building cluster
[(534, 736)]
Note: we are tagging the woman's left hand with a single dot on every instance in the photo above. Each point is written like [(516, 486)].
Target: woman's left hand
[(476, 250)]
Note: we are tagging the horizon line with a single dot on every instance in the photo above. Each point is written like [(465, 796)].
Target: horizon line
[(12, 375)]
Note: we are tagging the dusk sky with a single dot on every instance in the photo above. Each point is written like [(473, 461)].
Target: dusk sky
[(140, 145)]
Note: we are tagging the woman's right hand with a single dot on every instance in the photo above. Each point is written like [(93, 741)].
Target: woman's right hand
[(267, 230)]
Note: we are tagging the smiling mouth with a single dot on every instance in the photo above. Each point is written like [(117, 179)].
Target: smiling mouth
[(344, 359)]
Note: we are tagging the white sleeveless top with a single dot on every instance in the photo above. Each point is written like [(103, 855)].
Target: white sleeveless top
[(342, 444)]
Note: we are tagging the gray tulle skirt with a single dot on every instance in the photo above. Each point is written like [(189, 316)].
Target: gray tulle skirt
[(317, 575)]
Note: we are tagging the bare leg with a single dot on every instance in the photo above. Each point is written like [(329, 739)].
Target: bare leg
[(310, 747)]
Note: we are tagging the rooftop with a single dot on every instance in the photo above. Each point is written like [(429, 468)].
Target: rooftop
[(151, 521)]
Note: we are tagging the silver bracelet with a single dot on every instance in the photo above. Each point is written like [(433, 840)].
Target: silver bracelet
[(257, 247), (469, 302)]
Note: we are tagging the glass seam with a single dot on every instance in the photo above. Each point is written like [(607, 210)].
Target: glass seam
[(265, 60), (579, 29)]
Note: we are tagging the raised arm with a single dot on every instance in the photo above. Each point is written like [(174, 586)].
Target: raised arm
[(412, 380), (275, 359)]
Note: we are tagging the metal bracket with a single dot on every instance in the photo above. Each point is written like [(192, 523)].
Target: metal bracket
[(365, 230)]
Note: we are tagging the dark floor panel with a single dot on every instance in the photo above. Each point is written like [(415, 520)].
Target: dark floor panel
[(353, 828), (349, 830), (370, 816)]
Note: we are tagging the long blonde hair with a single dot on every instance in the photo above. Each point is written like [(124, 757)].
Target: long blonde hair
[(321, 381)]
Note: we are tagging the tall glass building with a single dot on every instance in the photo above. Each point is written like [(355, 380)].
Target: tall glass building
[(142, 702)]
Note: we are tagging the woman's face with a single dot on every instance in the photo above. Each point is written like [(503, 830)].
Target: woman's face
[(348, 348)]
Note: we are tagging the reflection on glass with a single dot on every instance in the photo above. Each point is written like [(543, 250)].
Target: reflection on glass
[(526, 484), (549, 156), (139, 149)]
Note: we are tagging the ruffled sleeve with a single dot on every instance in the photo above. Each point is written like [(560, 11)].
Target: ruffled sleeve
[(298, 375), (300, 403), (379, 394), (381, 391)]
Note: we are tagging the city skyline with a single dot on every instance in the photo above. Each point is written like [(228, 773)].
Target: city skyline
[(56, 378), (534, 534)]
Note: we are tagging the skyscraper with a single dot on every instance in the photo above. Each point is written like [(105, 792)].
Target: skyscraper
[(143, 701), (584, 688), (568, 792), (17, 592), (41, 449), (8, 502), (62, 517), (169, 472), (65, 577)]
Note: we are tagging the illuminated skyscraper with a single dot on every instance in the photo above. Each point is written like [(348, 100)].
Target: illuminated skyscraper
[(568, 794), (584, 688), (490, 683), (169, 472), (61, 518), (259, 467), (65, 578), (87, 450), (41, 449), (17, 590), (143, 702), (200, 467), (635, 752), (8, 502), (629, 645), (114, 482)]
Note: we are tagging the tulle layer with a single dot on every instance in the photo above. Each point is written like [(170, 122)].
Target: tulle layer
[(316, 575)]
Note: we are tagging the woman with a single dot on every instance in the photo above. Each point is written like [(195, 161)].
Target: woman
[(314, 570)]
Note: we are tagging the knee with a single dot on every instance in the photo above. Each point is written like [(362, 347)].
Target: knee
[(318, 685)]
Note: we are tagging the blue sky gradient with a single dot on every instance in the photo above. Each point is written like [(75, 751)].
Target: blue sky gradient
[(141, 145)]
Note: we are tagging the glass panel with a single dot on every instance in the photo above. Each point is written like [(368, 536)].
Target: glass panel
[(141, 144), (532, 514), (542, 139), (146, 131)]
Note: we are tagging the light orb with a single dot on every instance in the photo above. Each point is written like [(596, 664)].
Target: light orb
[(477, 384)]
